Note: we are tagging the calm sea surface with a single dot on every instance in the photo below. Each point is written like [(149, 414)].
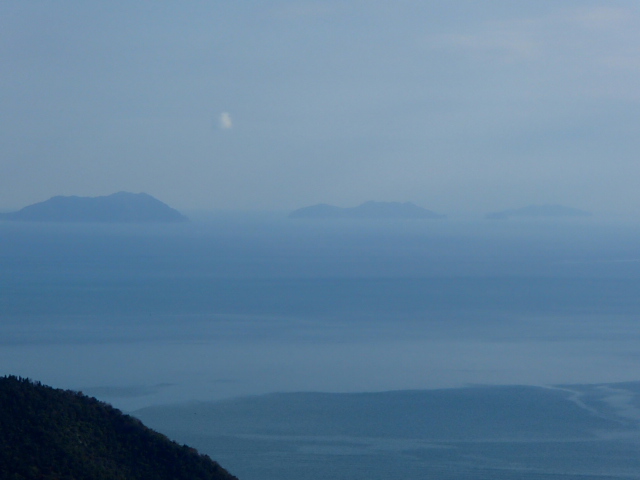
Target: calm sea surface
[(244, 305), (142, 315)]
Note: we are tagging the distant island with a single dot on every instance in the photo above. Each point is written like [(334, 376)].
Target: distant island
[(121, 207), (366, 211), (52, 434), (539, 211)]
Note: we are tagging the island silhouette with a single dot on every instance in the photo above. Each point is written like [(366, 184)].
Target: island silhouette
[(367, 210), (121, 207)]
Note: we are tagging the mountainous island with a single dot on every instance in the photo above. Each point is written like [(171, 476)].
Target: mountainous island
[(121, 207), (539, 211), (367, 211), (51, 434)]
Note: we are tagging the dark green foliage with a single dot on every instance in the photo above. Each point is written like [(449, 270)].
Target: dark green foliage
[(51, 434)]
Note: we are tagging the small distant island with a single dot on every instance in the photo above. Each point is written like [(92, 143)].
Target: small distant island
[(52, 434), (121, 207), (539, 211), (367, 211)]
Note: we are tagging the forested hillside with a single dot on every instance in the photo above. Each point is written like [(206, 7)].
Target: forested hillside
[(48, 434)]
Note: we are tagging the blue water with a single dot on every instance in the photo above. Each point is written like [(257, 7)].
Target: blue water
[(234, 305), (494, 432)]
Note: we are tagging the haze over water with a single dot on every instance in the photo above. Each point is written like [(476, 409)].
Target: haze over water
[(461, 107), (235, 305)]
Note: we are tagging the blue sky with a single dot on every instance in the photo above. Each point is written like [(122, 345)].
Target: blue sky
[(457, 106)]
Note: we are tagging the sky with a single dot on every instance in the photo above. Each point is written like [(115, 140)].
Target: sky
[(457, 106)]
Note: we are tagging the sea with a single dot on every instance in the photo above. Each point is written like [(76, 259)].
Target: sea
[(312, 349)]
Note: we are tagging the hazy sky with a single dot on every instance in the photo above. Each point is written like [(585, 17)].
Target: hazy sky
[(454, 105)]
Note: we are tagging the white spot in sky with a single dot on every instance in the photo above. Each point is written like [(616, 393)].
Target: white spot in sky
[(225, 121)]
